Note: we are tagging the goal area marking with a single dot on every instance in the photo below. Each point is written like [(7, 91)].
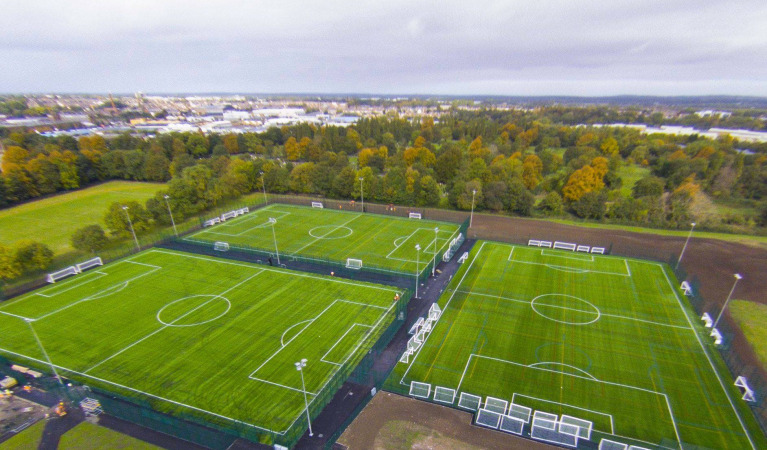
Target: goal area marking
[(564, 255)]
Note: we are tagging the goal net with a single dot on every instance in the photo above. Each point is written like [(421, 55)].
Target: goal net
[(511, 425), (63, 273), (606, 444), (317, 205), (85, 265), (545, 428), (519, 412), (565, 246), (496, 405), (421, 390), (489, 419), (469, 401), (434, 312), (221, 246), (353, 263), (413, 215), (228, 215), (444, 395), (581, 428)]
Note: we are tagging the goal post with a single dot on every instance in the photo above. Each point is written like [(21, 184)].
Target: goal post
[(444, 395), (565, 246), (228, 215), (317, 205), (352, 263), (220, 246), (469, 401), (414, 215), (420, 390), (60, 274), (85, 265)]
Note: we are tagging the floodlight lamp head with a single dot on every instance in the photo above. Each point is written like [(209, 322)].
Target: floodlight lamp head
[(303, 361), (272, 220), (738, 276), (298, 366), (166, 196), (436, 229), (125, 208), (693, 224), (473, 191), (418, 247)]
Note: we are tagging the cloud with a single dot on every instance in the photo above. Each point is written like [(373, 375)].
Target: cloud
[(480, 47)]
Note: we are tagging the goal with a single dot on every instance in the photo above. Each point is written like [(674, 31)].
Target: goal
[(355, 264), (85, 265), (228, 215), (317, 205), (434, 312), (63, 273), (421, 390), (221, 246), (413, 215)]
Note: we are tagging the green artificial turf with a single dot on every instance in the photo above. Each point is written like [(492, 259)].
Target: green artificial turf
[(200, 335), (384, 242), (93, 437), (28, 438), (604, 339), (53, 220)]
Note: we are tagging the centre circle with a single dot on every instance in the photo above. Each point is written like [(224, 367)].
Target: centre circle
[(566, 309), (330, 232), (193, 310)]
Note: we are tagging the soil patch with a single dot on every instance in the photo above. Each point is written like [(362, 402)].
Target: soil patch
[(394, 421)]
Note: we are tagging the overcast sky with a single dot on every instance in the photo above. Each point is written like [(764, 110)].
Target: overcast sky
[(469, 47)]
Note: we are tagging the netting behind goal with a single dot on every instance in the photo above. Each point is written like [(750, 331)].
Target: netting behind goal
[(420, 390), (221, 246), (444, 395), (544, 428), (63, 273)]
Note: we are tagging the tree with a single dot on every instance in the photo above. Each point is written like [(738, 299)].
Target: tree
[(32, 256), (429, 194), (551, 204), (591, 205), (521, 200), (232, 144), (649, 186), (117, 221), (9, 267), (197, 144), (496, 196), (532, 168), (609, 147), (343, 184), (90, 238), (292, 150), (581, 182)]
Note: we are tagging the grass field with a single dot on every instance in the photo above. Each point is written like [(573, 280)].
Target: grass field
[(200, 335), (28, 438), (53, 220), (751, 317), (87, 436), (605, 339), (385, 242)]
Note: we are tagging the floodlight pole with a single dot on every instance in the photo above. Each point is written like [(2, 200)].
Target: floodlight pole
[(42, 349), (471, 218), (272, 220), (263, 184), (685, 246), (125, 208), (434, 263), (299, 366), (737, 278), (362, 194), (166, 197), (417, 263)]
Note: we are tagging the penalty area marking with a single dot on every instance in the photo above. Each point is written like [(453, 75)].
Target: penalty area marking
[(173, 323)]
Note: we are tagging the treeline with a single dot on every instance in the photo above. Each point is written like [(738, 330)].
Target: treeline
[(520, 162)]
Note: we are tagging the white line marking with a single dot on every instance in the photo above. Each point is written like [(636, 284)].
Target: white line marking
[(96, 295), (711, 363), (69, 288), (339, 340), (282, 338), (331, 230), (172, 322), (612, 424), (270, 269)]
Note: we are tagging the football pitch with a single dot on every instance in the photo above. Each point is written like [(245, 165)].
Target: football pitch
[(603, 339), (208, 337), (383, 242)]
